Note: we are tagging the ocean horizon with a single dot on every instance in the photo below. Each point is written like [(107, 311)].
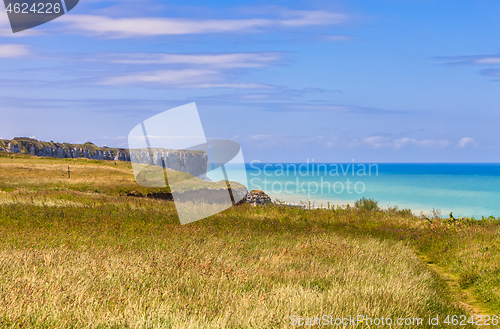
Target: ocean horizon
[(466, 189)]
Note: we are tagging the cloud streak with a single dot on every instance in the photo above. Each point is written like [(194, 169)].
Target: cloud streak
[(189, 78), (490, 61), (227, 61), (208, 70), (189, 70), (106, 26), (336, 142), (471, 60), (13, 50), (337, 37), (377, 142)]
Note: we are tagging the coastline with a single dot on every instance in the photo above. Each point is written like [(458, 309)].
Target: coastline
[(324, 203), (417, 210), (465, 189)]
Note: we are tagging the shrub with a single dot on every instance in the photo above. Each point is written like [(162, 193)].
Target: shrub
[(405, 212), (368, 204)]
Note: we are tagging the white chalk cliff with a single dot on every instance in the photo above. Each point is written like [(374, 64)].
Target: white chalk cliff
[(192, 162)]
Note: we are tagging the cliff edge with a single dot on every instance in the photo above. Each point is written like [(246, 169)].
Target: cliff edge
[(191, 162)]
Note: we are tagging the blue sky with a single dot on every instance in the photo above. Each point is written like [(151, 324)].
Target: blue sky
[(333, 81)]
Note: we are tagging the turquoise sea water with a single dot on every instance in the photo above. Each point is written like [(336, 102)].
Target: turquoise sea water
[(464, 189)]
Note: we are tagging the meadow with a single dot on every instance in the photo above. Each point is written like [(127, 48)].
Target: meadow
[(86, 252)]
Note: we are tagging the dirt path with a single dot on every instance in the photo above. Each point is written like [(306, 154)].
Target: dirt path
[(464, 297)]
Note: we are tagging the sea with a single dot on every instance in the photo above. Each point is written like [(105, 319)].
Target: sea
[(465, 189)]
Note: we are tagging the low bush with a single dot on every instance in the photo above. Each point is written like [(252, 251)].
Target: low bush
[(367, 204)]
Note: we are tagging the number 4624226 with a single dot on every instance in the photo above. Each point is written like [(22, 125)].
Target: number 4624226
[(36, 8), (478, 320)]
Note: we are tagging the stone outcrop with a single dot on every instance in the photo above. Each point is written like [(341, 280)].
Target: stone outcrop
[(192, 162), (257, 197)]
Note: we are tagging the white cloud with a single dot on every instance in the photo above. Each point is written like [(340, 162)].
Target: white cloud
[(12, 50), (280, 141), (472, 60), (335, 142), (399, 143), (196, 71), (311, 17), (375, 141), (320, 107), (488, 60), (151, 26), (261, 137), (189, 78), (384, 142), (233, 85), (466, 141), (232, 60)]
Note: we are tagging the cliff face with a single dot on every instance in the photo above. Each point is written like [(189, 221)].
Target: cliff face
[(88, 150), (192, 162)]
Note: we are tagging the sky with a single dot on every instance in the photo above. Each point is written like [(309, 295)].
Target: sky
[(334, 81)]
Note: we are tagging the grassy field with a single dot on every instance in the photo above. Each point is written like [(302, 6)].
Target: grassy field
[(79, 253)]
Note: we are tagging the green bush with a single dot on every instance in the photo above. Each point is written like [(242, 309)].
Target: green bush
[(368, 204)]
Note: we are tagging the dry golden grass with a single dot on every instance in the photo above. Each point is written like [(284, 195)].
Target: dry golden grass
[(125, 262), (81, 259), (110, 177), (47, 173), (213, 283)]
